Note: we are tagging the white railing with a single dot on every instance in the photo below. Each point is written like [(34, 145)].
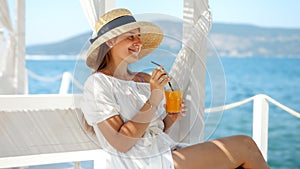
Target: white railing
[(66, 79), (260, 122)]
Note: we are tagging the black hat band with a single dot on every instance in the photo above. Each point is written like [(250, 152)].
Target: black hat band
[(113, 24)]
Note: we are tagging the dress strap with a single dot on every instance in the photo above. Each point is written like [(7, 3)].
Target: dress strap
[(140, 77)]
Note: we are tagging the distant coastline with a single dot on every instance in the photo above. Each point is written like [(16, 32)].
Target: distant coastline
[(234, 40)]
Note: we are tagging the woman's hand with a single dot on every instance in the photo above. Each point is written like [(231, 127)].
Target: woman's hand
[(176, 116), (158, 80)]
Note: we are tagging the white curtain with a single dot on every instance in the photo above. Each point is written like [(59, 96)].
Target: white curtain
[(189, 70), (7, 73), (4, 16), (13, 72), (5, 23), (93, 9)]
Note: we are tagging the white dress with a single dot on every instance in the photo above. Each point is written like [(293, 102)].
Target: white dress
[(105, 96)]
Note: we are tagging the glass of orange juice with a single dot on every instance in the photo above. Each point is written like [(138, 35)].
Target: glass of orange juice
[(173, 97), (173, 101)]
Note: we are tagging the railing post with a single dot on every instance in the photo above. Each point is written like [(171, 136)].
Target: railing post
[(77, 165), (65, 83), (260, 123), (99, 161)]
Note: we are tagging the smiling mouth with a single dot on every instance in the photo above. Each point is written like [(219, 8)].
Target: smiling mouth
[(135, 50)]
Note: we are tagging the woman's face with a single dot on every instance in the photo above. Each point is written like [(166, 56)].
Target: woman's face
[(127, 46)]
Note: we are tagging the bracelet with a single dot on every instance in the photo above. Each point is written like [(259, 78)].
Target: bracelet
[(151, 105)]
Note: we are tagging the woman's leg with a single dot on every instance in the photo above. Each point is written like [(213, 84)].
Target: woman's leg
[(226, 153)]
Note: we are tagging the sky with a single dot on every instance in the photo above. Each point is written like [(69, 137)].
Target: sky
[(56, 20)]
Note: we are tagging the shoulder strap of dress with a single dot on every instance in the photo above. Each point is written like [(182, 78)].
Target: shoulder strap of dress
[(140, 77)]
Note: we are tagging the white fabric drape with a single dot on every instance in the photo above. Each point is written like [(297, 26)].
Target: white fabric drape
[(12, 72), (4, 16), (6, 24), (7, 73), (189, 70), (93, 9)]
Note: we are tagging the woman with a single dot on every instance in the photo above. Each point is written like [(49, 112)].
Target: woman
[(126, 109)]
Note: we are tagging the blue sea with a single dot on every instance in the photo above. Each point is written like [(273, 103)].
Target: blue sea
[(278, 78)]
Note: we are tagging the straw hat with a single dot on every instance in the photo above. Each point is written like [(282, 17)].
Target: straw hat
[(117, 22)]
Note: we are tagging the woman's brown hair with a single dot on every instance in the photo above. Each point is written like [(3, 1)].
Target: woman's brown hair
[(104, 57)]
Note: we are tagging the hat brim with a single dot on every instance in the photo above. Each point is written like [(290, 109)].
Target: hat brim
[(150, 36)]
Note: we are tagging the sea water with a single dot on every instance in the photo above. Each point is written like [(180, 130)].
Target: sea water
[(278, 78)]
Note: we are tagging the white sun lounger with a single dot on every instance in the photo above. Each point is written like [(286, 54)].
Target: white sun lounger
[(42, 129)]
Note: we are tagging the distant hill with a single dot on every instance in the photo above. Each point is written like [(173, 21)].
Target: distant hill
[(247, 40), (229, 40), (71, 46)]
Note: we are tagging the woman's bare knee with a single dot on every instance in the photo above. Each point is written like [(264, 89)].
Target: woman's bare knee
[(231, 152), (202, 155), (247, 143), (244, 151)]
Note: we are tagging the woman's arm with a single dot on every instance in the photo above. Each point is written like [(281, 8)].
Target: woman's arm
[(122, 136), (171, 118)]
